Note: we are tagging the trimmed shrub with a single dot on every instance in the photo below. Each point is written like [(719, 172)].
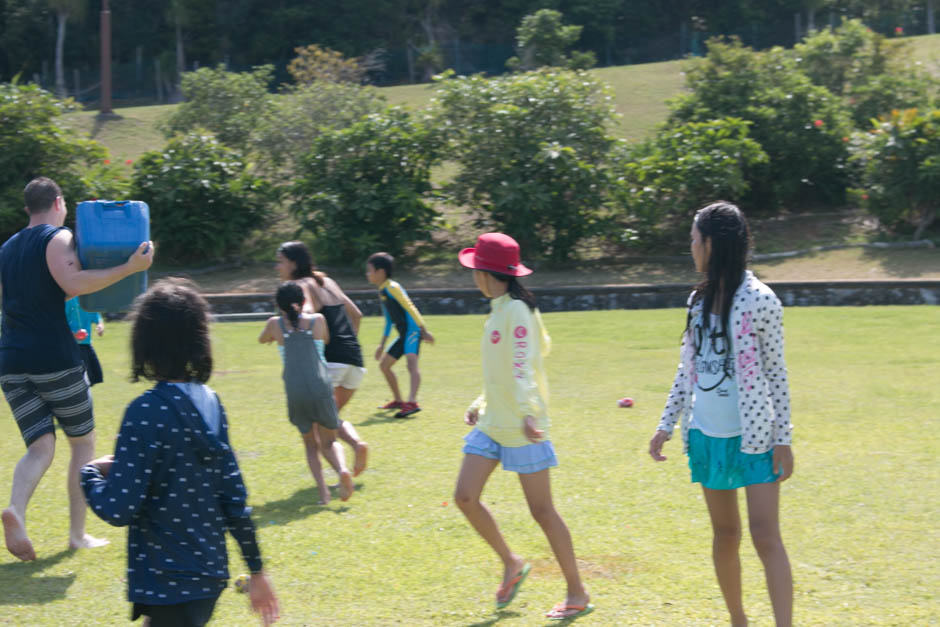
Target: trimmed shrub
[(799, 125), (229, 104), (873, 74), (204, 200), (532, 150), (296, 118), (662, 182), (366, 187), (324, 65), (543, 40), (35, 145), (898, 167)]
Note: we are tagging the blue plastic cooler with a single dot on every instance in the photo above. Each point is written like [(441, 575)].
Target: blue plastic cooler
[(108, 232)]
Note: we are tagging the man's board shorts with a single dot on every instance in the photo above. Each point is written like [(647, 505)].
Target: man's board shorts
[(35, 398), (345, 375)]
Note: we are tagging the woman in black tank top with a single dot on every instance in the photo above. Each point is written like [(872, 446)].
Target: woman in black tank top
[(294, 263)]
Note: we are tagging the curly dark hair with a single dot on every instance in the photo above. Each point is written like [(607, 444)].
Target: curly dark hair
[(170, 334)]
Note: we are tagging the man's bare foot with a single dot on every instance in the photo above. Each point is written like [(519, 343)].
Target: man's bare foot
[(362, 458), (346, 486), (324, 496), (88, 542), (14, 532)]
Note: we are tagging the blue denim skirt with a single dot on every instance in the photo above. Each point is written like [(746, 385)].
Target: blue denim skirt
[(719, 464), (521, 459)]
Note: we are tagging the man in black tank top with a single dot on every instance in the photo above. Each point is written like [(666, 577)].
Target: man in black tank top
[(41, 370)]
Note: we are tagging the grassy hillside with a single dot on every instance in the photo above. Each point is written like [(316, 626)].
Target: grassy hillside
[(640, 93)]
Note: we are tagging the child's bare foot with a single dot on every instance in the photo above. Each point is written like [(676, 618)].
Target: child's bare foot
[(14, 532), (346, 486), (574, 605), (513, 569), (362, 458), (513, 575), (87, 542)]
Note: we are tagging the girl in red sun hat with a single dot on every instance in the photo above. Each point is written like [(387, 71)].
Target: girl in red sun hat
[(510, 420)]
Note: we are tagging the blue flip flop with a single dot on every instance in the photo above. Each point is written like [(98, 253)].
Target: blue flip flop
[(515, 583)]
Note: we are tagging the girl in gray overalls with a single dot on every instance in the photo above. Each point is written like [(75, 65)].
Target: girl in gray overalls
[(301, 338)]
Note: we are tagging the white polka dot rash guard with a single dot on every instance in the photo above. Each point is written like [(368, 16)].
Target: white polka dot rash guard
[(179, 489), (756, 322)]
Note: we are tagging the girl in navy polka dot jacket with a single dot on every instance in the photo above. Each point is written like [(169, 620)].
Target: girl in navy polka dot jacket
[(173, 478), (732, 396)]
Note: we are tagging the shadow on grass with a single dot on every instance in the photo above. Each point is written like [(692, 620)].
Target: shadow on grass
[(37, 589), (500, 615), (382, 418), (301, 504)]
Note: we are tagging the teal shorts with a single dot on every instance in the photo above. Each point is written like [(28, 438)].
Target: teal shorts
[(719, 464)]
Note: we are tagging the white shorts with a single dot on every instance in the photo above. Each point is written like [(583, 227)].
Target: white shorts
[(345, 375)]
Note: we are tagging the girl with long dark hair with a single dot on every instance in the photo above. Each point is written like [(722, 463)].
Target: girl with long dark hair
[(732, 396), (301, 339), (343, 352)]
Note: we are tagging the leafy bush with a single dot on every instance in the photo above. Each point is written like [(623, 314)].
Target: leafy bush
[(799, 125), (229, 104), (874, 75), (532, 150), (316, 64), (296, 118), (660, 183), (542, 40), (365, 188), (35, 145), (204, 200), (898, 165)]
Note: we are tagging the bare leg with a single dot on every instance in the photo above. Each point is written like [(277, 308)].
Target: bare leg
[(29, 470), (538, 493), (726, 538), (470, 483), (333, 452), (414, 375), (347, 433), (83, 451), (386, 367), (763, 506), (313, 461)]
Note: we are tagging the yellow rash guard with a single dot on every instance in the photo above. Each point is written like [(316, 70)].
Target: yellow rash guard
[(514, 381)]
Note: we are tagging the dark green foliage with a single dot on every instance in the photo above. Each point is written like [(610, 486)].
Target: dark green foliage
[(873, 74), (661, 183), (229, 104), (367, 187), (204, 199), (898, 165), (297, 116), (35, 145), (531, 149), (802, 127), (543, 40)]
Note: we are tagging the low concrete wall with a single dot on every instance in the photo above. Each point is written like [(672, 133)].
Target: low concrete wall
[(592, 297)]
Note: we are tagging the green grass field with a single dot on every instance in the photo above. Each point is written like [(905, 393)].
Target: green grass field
[(859, 515)]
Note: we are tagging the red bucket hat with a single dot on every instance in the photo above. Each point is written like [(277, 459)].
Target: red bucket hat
[(495, 252)]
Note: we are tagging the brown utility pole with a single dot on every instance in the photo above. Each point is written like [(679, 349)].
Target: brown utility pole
[(105, 108)]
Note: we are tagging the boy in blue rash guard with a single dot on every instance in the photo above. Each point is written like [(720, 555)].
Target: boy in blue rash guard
[(401, 313)]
